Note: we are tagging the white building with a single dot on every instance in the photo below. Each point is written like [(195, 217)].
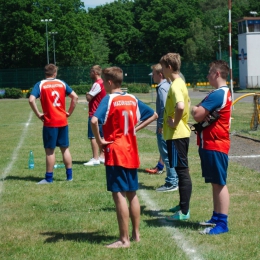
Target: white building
[(249, 52)]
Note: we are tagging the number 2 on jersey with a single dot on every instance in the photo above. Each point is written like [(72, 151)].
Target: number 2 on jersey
[(55, 103)]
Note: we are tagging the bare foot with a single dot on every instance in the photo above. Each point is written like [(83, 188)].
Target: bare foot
[(135, 237), (118, 244)]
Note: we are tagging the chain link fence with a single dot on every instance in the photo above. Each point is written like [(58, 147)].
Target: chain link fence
[(134, 73)]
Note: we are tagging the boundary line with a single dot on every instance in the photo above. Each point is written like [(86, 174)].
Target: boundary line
[(9, 167), (179, 238)]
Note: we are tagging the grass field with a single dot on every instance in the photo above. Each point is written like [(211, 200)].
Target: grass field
[(74, 220)]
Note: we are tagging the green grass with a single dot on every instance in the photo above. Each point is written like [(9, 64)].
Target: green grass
[(74, 220)]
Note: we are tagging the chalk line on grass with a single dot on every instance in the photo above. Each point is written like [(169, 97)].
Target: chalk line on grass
[(9, 167), (244, 156), (179, 238)]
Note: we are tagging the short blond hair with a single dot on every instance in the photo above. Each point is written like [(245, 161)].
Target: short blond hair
[(157, 67), (220, 65), (172, 59), (97, 69), (115, 74)]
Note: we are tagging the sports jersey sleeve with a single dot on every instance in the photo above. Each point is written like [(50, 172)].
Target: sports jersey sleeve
[(102, 109), (145, 110), (214, 100), (96, 88), (68, 88), (36, 90)]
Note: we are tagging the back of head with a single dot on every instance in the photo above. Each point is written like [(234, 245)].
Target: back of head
[(221, 66), (50, 70), (172, 59), (115, 74), (97, 69)]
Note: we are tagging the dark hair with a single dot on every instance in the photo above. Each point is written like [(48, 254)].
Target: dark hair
[(221, 66), (50, 70)]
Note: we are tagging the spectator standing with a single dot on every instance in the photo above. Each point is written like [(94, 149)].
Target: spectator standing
[(52, 93), (119, 114), (214, 144), (176, 132), (171, 180), (94, 97)]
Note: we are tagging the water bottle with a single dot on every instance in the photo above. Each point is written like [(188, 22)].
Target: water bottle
[(31, 160), (58, 166)]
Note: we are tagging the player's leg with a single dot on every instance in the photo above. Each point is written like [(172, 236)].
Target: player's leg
[(134, 209), (122, 213)]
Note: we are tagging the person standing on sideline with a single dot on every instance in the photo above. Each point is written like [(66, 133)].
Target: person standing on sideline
[(94, 97), (52, 93), (214, 144), (176, 132), (119, 114), (171, 180)]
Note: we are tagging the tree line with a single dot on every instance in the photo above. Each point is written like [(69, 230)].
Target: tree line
[(121, 32)]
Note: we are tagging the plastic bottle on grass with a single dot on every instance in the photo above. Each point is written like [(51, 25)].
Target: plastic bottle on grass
[(31, 160), (58, 166)]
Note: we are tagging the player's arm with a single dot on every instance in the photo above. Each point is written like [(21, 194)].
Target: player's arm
[(96, 88), (173, 122), (95, 129), (73, 103), (32, 103), (146, 122), (199, 113)]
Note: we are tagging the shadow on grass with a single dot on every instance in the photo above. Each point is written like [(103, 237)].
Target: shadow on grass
[(161, 222), (26, 178), (91, 237), (142, 186)]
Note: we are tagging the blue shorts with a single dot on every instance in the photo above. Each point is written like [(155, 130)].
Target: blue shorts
[(55, 136), (121, 179), (90, 133), (214, 166)]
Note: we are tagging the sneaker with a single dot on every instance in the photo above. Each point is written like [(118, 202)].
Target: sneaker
[(102, 160), (178, 216), (209, 223), (92, 162), (217, 230), (69, 179), (167, 187), (154, 170), (175, 209), (44, 182)]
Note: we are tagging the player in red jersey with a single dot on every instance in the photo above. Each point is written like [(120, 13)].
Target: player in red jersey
[(52, 93), (94, 97), (214, 144), (119, 113)]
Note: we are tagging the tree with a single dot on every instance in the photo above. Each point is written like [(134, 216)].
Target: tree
[(23, 35)]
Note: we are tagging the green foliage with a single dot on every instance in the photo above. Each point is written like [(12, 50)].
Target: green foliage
[(28, 93), (81, 89), (13, 93), (137, 87)]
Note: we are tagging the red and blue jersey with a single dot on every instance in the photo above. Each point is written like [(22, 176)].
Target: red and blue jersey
[(52, 94), (98, 92), (215, 137), (119, 114)]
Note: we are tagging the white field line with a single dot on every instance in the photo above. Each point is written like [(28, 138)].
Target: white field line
[(244, 156), (179, 238), (15, 153)]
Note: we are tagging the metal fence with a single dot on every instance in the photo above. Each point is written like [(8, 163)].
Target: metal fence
[(134, 73)]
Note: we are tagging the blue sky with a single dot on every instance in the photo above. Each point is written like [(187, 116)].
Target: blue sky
[(94, 3)]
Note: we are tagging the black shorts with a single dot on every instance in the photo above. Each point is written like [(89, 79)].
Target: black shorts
[(178, 152)]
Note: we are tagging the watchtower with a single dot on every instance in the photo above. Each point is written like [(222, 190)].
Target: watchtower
[(249, 52)]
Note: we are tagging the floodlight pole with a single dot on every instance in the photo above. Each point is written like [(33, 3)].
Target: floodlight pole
[(219, 40), (53, 41), (47, 45)]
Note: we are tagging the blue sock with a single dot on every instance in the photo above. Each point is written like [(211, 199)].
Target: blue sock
[(69, 174), (221, 225), (214, 218), (49, 176), (159, 166)]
